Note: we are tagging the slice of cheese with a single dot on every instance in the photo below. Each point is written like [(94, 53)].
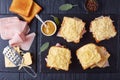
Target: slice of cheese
[(26, 57), (8, 63)]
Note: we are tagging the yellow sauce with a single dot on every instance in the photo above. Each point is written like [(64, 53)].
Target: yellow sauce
[(49, 29)]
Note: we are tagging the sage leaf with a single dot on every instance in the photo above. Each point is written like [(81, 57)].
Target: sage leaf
[(66, 7), (56, 19), (44, 46)]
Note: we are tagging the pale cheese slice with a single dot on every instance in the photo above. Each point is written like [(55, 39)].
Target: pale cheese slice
[(26, 57)]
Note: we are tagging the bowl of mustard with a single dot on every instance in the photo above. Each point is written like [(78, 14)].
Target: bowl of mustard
[(48, 28)]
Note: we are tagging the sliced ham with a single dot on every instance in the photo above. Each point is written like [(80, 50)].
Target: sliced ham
[(84, 31), (58, 34), (58, 45), (7, 20), (16, 40), (106, 64), (9, 30), (16, 31), (28, 42), (23, 44), (27, 30)]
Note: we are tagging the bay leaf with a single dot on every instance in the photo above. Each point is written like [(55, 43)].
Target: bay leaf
[(44, 46), (66, 7), (56, 19)]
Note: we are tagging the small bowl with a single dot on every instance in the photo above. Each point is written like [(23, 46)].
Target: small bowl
[(86, 8), (53, 31)]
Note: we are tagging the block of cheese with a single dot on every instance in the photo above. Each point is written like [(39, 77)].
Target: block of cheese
[(8, 63), (26, 57)]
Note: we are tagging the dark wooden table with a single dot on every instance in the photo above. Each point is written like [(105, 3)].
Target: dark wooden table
[(51, 7)]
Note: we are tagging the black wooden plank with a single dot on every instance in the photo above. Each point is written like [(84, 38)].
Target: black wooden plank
[(55, 76), (103, 76), (110, 6), (118, 63), (4, 6), (25, 76), (9, 76), (51, 6), (58, 76)]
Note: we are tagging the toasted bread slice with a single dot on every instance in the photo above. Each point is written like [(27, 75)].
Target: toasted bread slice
[(34, 10), (104, 54), (102, 28), (58, 58), (72, 29), (104, 57), (22, 7), (88, 55)]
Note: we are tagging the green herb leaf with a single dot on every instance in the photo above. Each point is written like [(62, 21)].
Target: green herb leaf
[(44, 46), (66, 7), (56, 19)]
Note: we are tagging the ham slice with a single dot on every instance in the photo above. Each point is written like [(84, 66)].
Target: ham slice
[(9, 30), (58, 45), (23, 44), (16, 31), (28, 42), (84, 31), (106, 64), (7, 20), (16, 40)]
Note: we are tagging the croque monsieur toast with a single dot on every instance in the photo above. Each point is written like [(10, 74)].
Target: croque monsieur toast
[(91, 55), (59, 58), (72, 29), (102, 28)]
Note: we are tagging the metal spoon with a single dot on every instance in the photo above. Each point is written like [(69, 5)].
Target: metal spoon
[(40, 19)]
